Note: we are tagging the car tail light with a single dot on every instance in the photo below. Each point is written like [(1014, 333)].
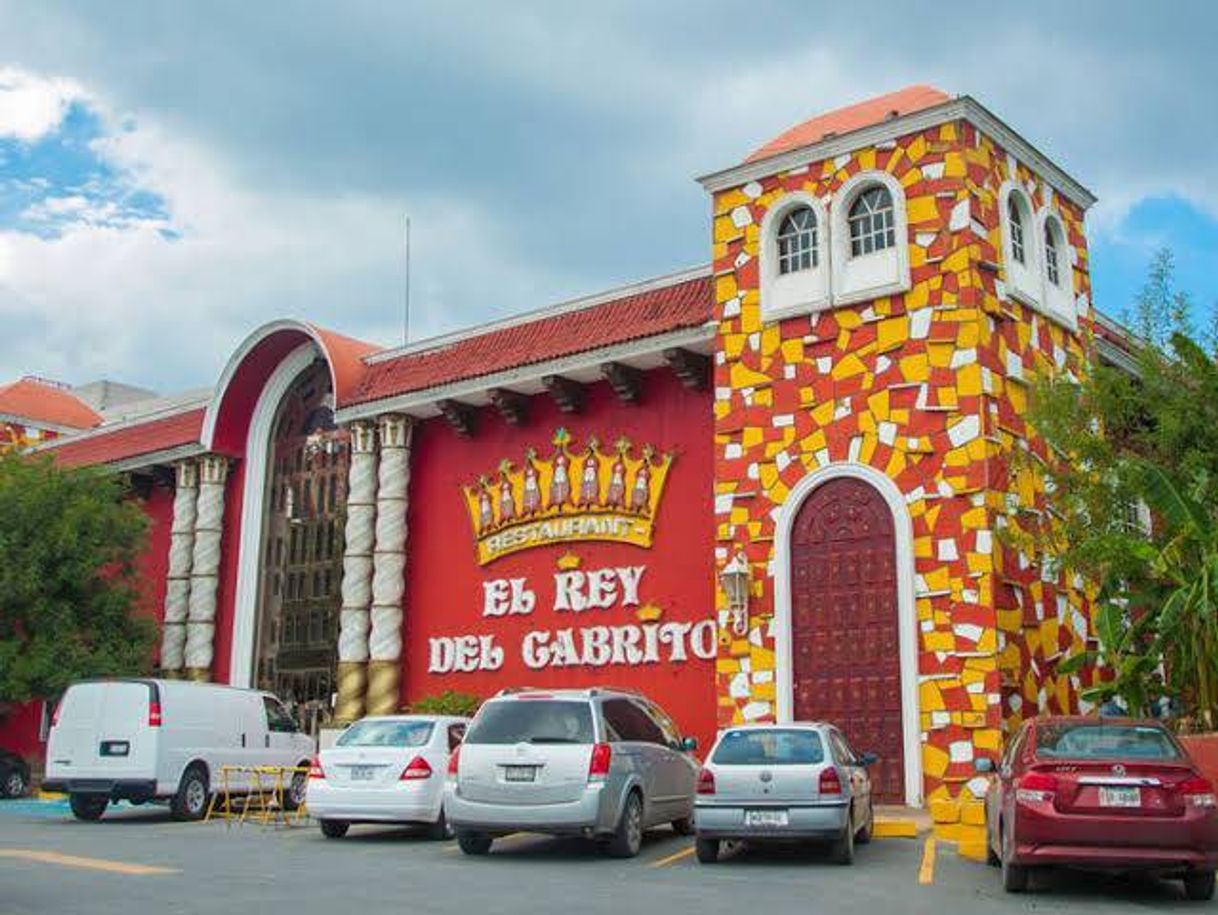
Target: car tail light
[(315, 769), (417, 768), (154, 714), (454, 760), (706, 782), (598, 765), (1198, 792), (830, 782), (1036, 787)]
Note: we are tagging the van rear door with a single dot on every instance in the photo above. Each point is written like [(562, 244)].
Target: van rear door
[(106, 730)]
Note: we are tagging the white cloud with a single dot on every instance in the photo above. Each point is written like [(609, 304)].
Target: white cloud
[(32, 106)]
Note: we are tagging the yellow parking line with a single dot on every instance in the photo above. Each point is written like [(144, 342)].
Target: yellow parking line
[(97, 864), (927, 873), (673, 858)]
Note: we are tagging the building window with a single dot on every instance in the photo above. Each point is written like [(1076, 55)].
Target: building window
[(1015, 221), (871, 222), (797, 241), (1052, 270)]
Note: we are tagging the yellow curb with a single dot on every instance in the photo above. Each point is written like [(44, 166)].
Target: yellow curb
[(974, 851), (51, 796), (894, 828)]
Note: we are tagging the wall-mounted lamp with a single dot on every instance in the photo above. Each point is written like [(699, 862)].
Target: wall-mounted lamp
[(735, 581)]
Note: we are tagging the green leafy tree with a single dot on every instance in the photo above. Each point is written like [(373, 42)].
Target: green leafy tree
[(449, 702), (1131, 478), (69, 541)]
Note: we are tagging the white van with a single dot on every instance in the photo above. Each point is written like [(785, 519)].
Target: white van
[(165, 740)]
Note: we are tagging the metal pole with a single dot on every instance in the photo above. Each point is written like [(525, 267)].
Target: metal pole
[(406, 316)]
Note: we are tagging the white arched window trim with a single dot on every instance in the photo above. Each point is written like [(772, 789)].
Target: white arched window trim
[(868, 276), (1057, 299), (1023, 281), (804, 291)]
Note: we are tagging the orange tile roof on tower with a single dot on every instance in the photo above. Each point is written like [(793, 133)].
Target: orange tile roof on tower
[(851, 118), (45, 402)]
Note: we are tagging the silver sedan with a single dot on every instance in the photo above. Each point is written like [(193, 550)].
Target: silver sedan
[(783, 782)]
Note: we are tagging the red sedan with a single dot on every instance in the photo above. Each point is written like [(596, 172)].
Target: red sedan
[(1108, 793)]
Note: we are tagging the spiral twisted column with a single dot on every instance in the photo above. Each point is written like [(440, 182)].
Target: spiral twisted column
[(358, 540), (177, 578), (205, 567), (388, 566)]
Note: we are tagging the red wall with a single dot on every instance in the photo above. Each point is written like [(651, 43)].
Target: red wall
[(444, 583), (154, 563)]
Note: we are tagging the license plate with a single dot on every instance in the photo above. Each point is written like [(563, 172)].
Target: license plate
[(519, 773), (1120, 797), (363, 773), (769, 818), (115, 748)]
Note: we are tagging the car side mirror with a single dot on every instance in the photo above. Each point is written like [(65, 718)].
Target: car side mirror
[(689, 744), (984, 765), (868, 759)]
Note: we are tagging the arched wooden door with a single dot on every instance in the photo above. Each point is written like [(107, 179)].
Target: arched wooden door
[(844, 624)]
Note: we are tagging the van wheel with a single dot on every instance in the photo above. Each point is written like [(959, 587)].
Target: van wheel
[(1199, 885), (474, 843), (88, 807), (334, 829), (683, 826), (440, 831), (707, 850), (190, 803), (843, 846), (627, 839), (294, 793)]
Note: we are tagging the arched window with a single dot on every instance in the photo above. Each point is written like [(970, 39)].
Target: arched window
[(797, 248), (1015, 220), (871, 222), (1052, 253)]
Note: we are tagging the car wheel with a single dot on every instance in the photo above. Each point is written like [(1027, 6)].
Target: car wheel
[(1014, 876), (863, 836), (190, 803), (474, 843), (843, 846), (14, 784), (707, 850), (334, 829), (1199, 885), (88, 807), (627, 839), (683, 826), (294, 793), (440, 831)]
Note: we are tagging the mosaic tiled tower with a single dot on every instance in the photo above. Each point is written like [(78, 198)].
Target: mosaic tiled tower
[(928, 386)]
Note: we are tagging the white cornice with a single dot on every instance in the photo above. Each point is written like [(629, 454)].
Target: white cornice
[(537, 314), (697, 338), (30, 423), (165, 456), (963, 108)]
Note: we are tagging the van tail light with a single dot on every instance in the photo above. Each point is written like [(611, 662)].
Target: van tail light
[(830, 781), (315, 769), (1035, 787), (1198, 792), (598, 765), (706, 781), (454, 760), (154, 714), (55, 714), (418, 768)]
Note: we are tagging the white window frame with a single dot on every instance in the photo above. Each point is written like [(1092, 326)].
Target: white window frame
[(880, 273), (784, 295), (1023, 281), (1057, 298)]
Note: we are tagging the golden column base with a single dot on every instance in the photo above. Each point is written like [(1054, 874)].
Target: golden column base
[(383, 693), (170, 675), (197, 674), (352, 688)]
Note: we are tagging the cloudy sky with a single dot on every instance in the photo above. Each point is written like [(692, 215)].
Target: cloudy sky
[(173, 174)]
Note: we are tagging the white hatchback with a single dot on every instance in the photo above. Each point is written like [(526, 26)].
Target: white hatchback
[(385, 769)]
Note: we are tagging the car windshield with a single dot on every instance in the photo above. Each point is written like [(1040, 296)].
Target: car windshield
[(372, 733), (777, 747), (1104, 741), (532, 721)]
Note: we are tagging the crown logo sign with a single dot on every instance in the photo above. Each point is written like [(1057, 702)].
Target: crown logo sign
[(572, 495)]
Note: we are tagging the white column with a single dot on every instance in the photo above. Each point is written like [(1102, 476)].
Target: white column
[(205, 566), (389, 566), (358, 540), (177, 579)]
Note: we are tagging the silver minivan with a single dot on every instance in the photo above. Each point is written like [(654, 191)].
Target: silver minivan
[(601, 763)]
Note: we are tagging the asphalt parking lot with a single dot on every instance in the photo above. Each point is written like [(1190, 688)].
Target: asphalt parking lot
[(139, 860)]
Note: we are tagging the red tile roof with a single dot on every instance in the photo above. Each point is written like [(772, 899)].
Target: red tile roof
[(852, 117), (681, 304), (42, 401), (130, 441)]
